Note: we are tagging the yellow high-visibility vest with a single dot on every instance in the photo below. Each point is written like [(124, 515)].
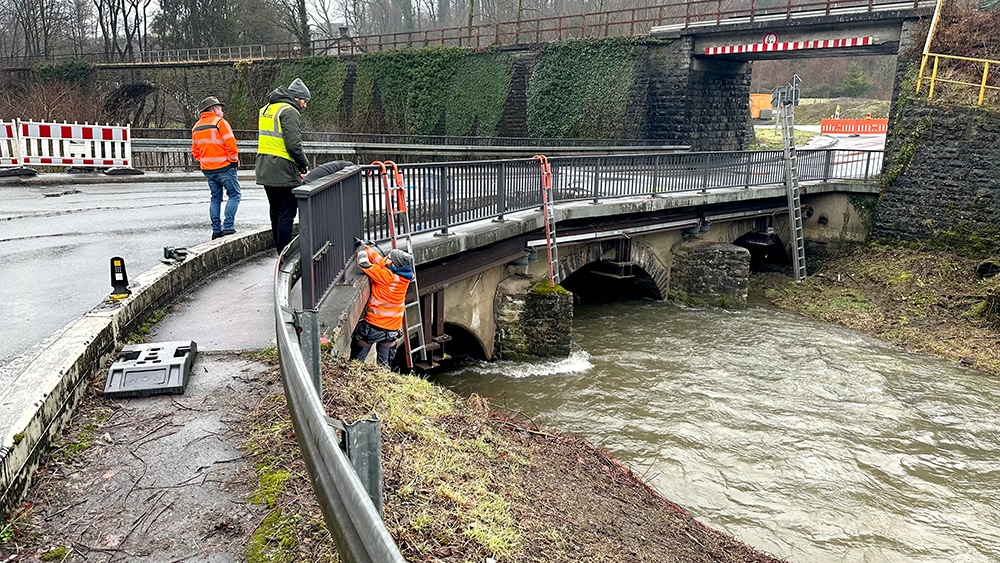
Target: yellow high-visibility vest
[(269, 137)]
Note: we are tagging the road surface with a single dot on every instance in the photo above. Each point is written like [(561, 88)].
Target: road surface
[(57, 241)]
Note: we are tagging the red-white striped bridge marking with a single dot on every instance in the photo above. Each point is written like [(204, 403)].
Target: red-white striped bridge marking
[(791, 46)]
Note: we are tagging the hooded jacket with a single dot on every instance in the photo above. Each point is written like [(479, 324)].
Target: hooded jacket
[(276, 171), (385, 307)]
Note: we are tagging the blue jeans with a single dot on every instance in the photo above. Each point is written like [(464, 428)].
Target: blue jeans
[(217, 180)]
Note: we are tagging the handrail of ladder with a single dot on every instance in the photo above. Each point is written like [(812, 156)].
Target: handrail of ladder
[(388, 197), (550, 234), (391, 208)]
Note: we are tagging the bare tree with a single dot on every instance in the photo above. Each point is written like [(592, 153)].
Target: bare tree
[(79, 22), (122, 25), (327, 18), (294, 18), (40, 22)]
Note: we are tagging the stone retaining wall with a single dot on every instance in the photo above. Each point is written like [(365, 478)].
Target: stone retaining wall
[(941, 175)]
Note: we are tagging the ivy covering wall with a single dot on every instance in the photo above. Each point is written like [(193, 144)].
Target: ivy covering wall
[(582, 88), (575, 88), (432, 91)]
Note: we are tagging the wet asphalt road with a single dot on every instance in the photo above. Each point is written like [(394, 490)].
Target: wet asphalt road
[(57, 241)]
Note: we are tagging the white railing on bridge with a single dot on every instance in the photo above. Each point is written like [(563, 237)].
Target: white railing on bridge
[(714, 13), (211, 54)]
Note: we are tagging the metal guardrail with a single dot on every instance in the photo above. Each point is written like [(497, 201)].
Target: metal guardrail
[(958, 68), (348, 511), (409, 139), (175, 154), (612, 23)]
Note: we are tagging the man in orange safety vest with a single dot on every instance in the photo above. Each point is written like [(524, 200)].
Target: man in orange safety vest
[(382, 324), (214, 147)]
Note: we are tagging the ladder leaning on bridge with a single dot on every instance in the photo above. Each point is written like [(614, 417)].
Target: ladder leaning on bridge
[(399, 230), (550, 219), (786, 112)]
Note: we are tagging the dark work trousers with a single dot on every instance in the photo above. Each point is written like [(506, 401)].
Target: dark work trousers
[(283, 206)]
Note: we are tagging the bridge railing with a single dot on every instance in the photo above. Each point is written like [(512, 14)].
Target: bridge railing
[(443, 195), (613, 23)]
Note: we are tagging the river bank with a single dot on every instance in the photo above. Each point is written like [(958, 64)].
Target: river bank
[(925, 301)]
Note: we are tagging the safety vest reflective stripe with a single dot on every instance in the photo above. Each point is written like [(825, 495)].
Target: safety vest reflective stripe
[(208, 141), (386, 307), (269, 137)]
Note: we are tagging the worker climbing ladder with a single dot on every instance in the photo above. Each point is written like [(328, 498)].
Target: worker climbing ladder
[(786, 113), (550, 219), (399, 232)]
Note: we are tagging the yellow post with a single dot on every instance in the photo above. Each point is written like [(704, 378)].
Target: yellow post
[(927, 44), (982, 86), (930, 93)]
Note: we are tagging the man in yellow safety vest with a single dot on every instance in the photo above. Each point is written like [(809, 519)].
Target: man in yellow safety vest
[(281, 163)]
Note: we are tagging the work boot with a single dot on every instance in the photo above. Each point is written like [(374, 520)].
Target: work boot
[(216, 234), (227, 232)]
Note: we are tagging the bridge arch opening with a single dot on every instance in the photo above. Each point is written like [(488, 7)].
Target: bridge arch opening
[(767, 250), (464, 345), (605, 281), (463, 342)]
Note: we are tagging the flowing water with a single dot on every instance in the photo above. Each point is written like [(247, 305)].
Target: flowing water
[(811, 442)]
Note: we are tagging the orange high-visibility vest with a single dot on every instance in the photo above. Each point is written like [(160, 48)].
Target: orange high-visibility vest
[(212, 142), (386, 304)]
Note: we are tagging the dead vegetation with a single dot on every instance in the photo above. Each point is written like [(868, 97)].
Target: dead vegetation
[(465, 482)]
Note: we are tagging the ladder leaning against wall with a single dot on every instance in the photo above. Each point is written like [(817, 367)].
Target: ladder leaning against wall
[(786, 113)]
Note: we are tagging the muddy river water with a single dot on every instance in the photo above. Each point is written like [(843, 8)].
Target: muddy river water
[(805, 440)]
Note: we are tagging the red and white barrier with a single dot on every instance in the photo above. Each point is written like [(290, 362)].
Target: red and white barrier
[(854, 126), (9, 145), (76, 145)]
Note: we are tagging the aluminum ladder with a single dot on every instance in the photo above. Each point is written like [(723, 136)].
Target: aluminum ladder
[(787, 114), (399, 232), (550, 219)]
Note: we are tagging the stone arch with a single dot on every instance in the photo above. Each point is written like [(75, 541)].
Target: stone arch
[(128, 103), (642, 255)]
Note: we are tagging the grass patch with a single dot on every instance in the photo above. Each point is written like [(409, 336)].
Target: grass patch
[(140, 334), (275, 540), (765, 139), (445, 464)]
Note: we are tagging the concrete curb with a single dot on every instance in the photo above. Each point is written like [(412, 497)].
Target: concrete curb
[(53, 381)]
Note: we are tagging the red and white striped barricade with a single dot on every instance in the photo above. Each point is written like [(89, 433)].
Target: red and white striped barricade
[(8, 145), (75, 145), (853, 126), (11, 163)]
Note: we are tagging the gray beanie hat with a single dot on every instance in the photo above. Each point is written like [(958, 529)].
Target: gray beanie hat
[(400, 258), (298, 89)]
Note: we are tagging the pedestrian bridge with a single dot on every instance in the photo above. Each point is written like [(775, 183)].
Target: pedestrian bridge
[(622, 217)]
